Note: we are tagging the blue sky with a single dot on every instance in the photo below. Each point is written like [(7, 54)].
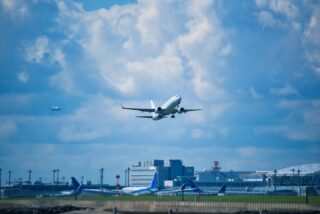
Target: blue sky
[(253, 66)]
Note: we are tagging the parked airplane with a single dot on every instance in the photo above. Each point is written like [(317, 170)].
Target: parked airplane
[(195, 188), (94, 191), (172, 191), (170, 107), (142, 190), (126, 190), (55, 108), (77, 190)]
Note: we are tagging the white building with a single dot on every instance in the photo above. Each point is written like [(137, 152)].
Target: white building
[(142, 174)]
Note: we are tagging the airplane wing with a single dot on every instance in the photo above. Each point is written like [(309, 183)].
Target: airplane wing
[(149, 117), (101, 191), (195, 109), (139, 109)]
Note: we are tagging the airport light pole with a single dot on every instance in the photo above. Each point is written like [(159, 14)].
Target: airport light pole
[(29, 176), (128, 176), (53, 176), (275, 181), (292, 176), (9, 178), (299, 182), (0, 180), (101, 177), (57, 170)]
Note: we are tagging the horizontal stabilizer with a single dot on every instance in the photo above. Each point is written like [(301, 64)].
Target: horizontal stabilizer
[(149, 117)]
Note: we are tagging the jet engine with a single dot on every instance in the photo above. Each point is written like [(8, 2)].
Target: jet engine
[(181, 110), (158, 110)]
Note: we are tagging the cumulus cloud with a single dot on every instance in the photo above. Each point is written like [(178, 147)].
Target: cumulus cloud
[(16, 8), (255, 94), (287, 89), (23, 77), (267, 20), (302, 122), (136, 51), (312, 39), (7, 128), (36, 51), (277, 13)]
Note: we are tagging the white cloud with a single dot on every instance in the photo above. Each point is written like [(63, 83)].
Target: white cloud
[(16, 8), (287, 89), (7, 128), (255, 94), (312, 39), (302, 122), (200, 134), (267, 20), (278, 13), (284, 7), (136, 51), (23, 77), (216, 110), (36, 52)]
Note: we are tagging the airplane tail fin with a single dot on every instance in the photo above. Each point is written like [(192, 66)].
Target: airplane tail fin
[(152, 104), (76, 185), (222, 190), (193, 186), (154, 183), (182, 187)]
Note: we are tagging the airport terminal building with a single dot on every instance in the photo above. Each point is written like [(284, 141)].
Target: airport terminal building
[(174, 173), (142, 173)]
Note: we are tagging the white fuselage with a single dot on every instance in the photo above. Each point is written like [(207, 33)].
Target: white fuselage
[(169, 107), (136, 190)]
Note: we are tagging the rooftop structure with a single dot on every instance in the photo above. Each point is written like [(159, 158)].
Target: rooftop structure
[(302, 170)]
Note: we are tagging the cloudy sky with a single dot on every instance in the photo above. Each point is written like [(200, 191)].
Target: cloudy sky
[(253, 66)]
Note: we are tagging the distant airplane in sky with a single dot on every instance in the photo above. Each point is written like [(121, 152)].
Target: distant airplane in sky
[(55, 108), (170, 107)]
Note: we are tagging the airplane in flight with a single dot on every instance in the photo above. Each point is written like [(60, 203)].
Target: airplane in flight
[(196, 189), (170, 107), (55, 108)]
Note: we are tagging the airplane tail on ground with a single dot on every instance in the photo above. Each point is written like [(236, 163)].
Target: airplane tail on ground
[(194, 187), (222, 190), (154, 183), (76, 185)]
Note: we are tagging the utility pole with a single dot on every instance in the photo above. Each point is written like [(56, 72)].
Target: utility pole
[(299, 182), (29, 179), (128, 177), (0, 180), (101, 177), (125, 177), (57, 170), (9, 178), (53, 176), (275, 181)]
